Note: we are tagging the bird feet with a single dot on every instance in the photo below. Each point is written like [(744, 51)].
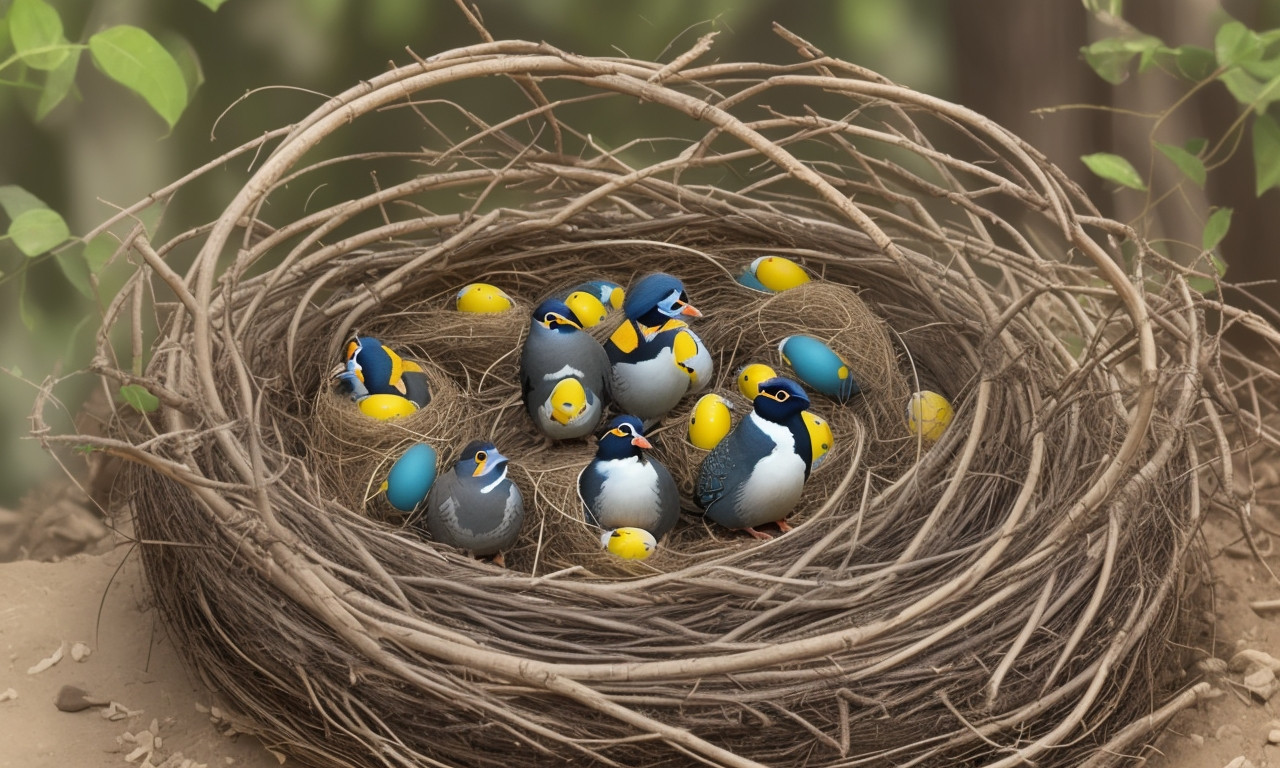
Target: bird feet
[(761, 535), (784, 526)]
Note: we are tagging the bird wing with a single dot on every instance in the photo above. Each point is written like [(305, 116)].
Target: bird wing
[(715, 469), (589, 482), (668, 500)]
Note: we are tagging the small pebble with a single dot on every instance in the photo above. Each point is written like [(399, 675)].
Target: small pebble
[(1212, 666), (8, 695), (1239, 762), (1274, 736), (80, 651), (1196, 739)]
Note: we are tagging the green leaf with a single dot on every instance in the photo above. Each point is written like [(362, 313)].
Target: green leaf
[(1265, 69), (72, 263), (1219, 264), (1243, 86), (5, 38), (184, 54), (98, 253), (212, 5), (1266, 153), (38, 230), (140, 398), (1203, 285), (1110, 57), (35, 25), (16, 201), (1190, 165), (1196, 146), (1215, 229), (26, 312), (57, 85), (133, 58), (1195, 63), (1235, 44), (1114, 168)]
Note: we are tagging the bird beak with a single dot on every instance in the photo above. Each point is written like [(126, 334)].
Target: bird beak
[(690, 310), (640, 441)]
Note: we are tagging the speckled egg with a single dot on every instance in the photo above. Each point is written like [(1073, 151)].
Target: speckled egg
[(483, 298), (710, 421), (750, 378), (821, 439), (629, 543), (929, 414), (776, 273), (586, 307)]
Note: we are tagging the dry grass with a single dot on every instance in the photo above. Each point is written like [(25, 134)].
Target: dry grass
[(1012, 593)]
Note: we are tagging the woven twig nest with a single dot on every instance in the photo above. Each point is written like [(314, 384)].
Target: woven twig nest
[(1006, 594)]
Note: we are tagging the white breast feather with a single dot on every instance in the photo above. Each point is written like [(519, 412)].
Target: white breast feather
[(629, 493), (774, 488)]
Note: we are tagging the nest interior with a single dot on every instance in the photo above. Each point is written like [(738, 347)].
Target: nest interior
[(1011, 593)]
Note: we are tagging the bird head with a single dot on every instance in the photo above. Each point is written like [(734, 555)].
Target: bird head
[(568, 401), (481, 459), (555, 315), (779, 399), (657, 297), (624, 438)]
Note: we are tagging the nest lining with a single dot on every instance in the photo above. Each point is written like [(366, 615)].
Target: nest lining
[(1008, 594)]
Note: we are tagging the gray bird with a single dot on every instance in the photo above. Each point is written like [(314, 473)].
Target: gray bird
[(475, 506), (563, 373), (623, 488), (756, 474)]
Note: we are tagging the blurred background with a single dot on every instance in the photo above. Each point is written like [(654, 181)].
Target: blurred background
[(104, 148)]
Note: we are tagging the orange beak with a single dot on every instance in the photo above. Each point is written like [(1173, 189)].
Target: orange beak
[(641, 442)]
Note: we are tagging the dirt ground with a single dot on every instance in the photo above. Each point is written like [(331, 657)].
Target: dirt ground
[(167, 718)]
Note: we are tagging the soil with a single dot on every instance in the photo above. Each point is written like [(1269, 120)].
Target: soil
[(99, 598)]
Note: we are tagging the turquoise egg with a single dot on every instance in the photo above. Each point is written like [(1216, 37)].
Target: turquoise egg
[(819, 367), (411, 477)]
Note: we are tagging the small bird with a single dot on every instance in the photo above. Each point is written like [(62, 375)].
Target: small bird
[(629, 543), (475, 506), (655, 358), (622, 487), (370, 367), (656, 298), (563, 373), (609, 294), (756, 474)]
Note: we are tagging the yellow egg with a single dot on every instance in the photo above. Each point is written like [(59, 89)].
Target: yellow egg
[(710, 421), (387, 406), (821, 439), (629, 543), (589, 310), (750, 378), (483, 298), (928, 415), (778, 274)]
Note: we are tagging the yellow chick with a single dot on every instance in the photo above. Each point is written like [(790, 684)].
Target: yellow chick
[(483, 298)]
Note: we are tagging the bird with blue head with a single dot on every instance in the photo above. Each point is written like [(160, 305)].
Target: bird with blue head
[(623, 487), (563, 373), (475, 506), (371, 368), (655, 358), (756, 475)]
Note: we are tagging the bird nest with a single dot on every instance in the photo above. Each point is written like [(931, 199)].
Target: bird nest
[(1010, 593)]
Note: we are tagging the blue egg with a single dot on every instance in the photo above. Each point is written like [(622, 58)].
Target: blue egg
[(411, 477), (817, 366), (750, 280)]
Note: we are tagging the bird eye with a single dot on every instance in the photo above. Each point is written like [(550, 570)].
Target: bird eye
[(782, 396), (481, 456)]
